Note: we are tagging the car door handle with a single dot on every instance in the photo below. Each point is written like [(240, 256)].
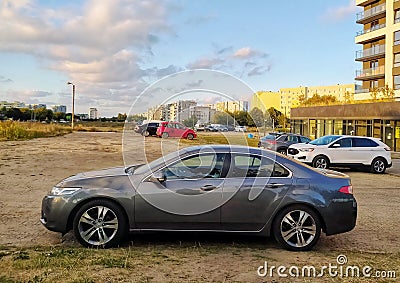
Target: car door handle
[(207, 188), (274, 185)]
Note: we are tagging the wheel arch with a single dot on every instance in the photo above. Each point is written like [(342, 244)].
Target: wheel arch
[(306, 204), (321, 155), (82, 203)]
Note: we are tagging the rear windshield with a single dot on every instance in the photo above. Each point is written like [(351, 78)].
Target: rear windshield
[(269, 137)]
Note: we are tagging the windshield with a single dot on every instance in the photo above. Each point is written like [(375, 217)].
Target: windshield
[(155, 163), (324, 140)]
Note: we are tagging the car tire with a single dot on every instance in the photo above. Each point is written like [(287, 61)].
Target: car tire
[(100, 224), (282, 151), (297, 228), (145, 133), (321, 161), (378, 165), (164, 135), (190, 136)]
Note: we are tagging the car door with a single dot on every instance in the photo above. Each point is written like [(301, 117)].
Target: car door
[(180, 130), (340, 151), (186, 196), (363, 150), (253, 188)]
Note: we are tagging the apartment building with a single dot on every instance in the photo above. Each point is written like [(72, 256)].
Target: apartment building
[(266, 99), (232, 106), (93, 113), (379, 40)]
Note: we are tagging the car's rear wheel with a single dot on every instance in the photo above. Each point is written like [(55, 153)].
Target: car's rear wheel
[(190, 136), (378, 166), (282, 151), (100, 223), (145, 133), (164, 135), (297, 228), (321, 162)]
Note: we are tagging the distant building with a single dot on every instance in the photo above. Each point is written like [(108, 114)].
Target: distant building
[(83, 116), (37, 106), (14, 104), (93, 113), (232, 106), (204, 114), (59, 108)]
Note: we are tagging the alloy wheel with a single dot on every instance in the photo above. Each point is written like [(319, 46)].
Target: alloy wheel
[(298, 228)]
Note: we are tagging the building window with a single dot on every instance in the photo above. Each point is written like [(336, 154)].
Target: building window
[(396, 82), (373, 84), (397, 38), (374, 25), (397, 16), (396, 62), (374, 64)]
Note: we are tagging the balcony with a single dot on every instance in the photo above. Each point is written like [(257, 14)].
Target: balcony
[(374, 52), (369, 74), (368, 30), (364, 3), (371, 14)]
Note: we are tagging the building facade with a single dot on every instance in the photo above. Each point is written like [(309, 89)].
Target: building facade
[(60, 108), (266, 99), (379, 54), (379, 119), (93, 113), (232, 106)]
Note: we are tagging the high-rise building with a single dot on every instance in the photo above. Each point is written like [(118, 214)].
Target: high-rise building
[(93, 113), (60, 108), (380, 46), (266, 99)]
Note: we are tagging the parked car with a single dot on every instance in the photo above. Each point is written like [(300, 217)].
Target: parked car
[(216, 188), (340, 150), (280, 143), (240, 129), (147, 129), (270, 136), (200, 127), (210, 128), (220, 128), (175, 129)]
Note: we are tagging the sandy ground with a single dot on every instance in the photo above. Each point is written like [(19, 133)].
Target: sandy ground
[(28, 170)]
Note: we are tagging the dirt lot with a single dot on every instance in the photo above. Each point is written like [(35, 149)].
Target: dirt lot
[(28, 169)]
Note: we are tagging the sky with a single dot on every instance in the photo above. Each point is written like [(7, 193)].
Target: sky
[(113, 49)]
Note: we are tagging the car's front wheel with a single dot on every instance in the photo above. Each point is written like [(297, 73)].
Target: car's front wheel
[(297, 228), (190, 136), (378, 166), (145, 133), (100, 223), (320, 162)]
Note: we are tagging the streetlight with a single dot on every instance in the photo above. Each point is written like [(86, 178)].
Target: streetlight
[(73, 104)]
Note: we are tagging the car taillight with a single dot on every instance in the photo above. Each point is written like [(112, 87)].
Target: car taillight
[(346, 190), (271, 141)]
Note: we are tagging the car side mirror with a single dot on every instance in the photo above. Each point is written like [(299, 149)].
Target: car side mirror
[(157, 176)]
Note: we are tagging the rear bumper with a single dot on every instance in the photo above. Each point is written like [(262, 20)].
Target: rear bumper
[(340, 216)]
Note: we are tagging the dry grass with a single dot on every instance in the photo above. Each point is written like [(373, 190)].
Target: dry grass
[(14, 130), (172, 262)]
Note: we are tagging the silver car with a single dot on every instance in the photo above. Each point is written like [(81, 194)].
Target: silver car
[(217, 188)]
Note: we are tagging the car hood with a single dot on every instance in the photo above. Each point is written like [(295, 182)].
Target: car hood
[(303, 145), (115, 171)]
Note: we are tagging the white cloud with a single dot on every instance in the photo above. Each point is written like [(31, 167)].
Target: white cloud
[(340, 12), (98, 45)]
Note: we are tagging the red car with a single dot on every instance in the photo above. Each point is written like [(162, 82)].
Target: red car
[(175, 129)]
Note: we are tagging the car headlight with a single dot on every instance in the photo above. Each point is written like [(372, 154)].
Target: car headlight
[(306, 149), (56, 191)]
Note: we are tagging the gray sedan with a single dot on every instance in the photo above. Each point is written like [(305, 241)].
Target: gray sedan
[(217, 188)]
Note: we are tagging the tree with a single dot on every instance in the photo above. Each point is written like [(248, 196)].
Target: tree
[(121, 117), (256, 117), (222, 118), (59, 116), (241, 117), (317, 99), (278, 117), (387, 93), (43, 114), (190, 122)]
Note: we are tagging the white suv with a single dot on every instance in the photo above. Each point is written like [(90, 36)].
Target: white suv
[(350, 151)]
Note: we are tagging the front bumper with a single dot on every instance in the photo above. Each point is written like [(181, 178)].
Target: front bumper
[(55, 212)]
